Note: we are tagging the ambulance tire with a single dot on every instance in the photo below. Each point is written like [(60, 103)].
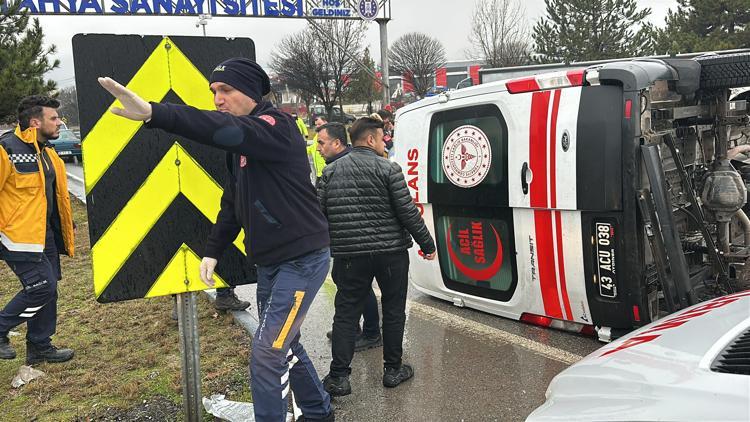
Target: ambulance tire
[(725, 71)]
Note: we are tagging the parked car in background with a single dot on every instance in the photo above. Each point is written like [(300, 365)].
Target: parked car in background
[(67, 145), (693, 365), (336, 115)]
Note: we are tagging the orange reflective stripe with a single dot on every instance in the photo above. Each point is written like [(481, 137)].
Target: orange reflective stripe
[(279, 342)]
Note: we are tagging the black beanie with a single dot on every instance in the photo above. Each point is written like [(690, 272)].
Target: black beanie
[(244, 75)]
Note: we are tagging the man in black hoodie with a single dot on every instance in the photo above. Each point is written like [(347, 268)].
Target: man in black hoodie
[(270, 196)]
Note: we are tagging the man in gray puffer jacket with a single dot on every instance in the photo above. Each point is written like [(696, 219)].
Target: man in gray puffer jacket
[(372, 219)]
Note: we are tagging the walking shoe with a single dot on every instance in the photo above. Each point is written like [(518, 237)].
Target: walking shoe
[(395, 376), (337, 386), (230, 303), (6, 350), (364, 343), (51, 354), (331, 417)]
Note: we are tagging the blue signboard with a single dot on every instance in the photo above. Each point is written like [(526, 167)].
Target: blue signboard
[(344, 9)]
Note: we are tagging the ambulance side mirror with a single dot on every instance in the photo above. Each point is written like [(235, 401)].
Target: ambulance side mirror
[(526, 177)]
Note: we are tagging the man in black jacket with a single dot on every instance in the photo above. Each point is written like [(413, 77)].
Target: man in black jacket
[(269, 195), (372, 219), (332, 145)]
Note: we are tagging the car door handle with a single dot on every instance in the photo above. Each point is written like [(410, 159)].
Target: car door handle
[(526, 177)]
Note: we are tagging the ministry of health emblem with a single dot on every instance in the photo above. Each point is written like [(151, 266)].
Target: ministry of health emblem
[(466, 156)]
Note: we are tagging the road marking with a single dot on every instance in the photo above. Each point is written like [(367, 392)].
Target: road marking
[(467, 325)]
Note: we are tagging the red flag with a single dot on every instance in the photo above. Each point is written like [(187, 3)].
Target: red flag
[(441, 76), (474, 73), (406, 79)]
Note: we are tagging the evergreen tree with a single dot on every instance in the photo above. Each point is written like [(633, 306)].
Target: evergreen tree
[(23, 59), (705, 25), (581, 30), (363, 88)]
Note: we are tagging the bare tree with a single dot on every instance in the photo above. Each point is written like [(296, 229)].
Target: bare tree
[(68, 105), (315, 60), (498, 33), (416, 56)]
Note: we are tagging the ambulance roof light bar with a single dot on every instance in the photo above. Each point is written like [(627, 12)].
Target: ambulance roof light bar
[(545, 81)]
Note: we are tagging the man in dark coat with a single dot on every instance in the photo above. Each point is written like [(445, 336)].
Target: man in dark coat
[(269, 195)]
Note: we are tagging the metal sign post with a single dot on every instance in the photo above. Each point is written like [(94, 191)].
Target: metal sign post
[(187, 320)]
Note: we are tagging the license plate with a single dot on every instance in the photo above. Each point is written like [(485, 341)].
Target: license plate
[(65, 153), (606, 254)]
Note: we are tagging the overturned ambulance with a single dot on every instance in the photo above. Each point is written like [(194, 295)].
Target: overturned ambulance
[(592, 199)]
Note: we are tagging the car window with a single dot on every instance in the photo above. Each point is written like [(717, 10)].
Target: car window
[(482, 127), (67, 135), (476, 256)]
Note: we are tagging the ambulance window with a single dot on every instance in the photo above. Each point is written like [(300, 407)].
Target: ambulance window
[(477, 253), (468, 157)]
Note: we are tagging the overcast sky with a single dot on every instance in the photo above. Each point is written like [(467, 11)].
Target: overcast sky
[(446, 20)]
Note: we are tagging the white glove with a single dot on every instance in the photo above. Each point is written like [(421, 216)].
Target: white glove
[(134, 107), (207, 270)]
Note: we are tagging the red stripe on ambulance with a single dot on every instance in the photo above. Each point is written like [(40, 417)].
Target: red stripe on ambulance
[(561, 267), (552, 160), (549, 240), (538, 148), (545, 249)]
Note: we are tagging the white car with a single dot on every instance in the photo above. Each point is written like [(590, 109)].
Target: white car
[(690, 366)]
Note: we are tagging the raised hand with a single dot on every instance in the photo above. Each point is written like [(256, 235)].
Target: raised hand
[(133, 106)]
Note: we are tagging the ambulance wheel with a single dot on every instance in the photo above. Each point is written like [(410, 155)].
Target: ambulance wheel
[(725, 71)]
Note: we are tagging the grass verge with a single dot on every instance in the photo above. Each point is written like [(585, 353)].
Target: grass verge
[(127, 354)]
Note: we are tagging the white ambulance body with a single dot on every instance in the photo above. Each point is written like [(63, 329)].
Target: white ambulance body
[(546, 195)]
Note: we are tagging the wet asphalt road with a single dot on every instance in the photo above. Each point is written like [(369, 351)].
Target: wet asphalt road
[(469, 366)]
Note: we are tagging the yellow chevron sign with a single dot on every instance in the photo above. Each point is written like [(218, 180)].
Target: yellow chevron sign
[(166, 69), (176, 173), (178, 190)]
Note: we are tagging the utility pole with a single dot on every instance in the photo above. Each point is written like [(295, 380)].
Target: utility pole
[(384, 61)]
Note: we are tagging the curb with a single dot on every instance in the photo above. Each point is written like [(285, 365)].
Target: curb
[(243, 318), (76, 178)]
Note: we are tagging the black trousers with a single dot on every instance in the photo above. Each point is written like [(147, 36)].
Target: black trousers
[(36, 303), (353, 278)]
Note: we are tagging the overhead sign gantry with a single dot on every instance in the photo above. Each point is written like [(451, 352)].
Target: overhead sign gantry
[(371, 10)]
